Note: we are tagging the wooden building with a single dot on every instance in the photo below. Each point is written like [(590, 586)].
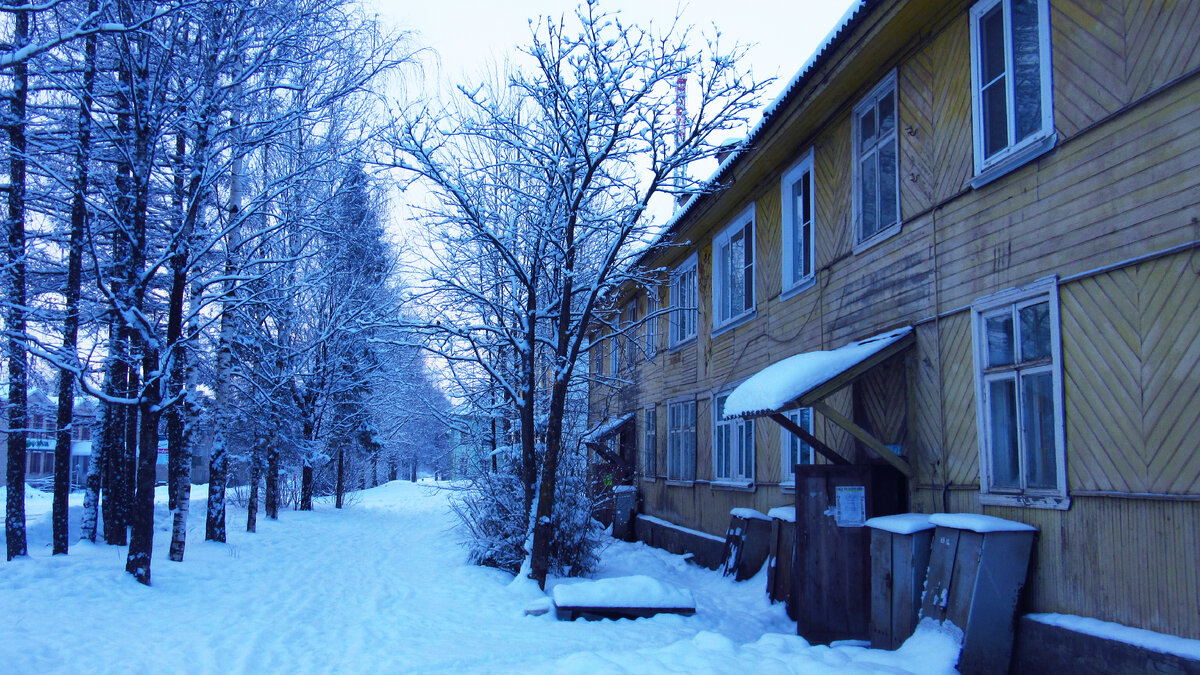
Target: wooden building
[(1018, 182)]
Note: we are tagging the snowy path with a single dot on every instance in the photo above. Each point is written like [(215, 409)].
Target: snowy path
[(381, 586)]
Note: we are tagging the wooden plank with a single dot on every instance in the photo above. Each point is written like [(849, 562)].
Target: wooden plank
[(882, 585), (861, 434), (936, 597), (816, 443)]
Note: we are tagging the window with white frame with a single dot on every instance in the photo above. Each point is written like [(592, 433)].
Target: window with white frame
[(684, 301), (651, 327), (614, 354), (1018, 379), (794, 450), (876, 167), (597, 350), (733, 446), (650, 441), (681, 440), (733, 270), (1010, 76), (799, 217), (628, 319)]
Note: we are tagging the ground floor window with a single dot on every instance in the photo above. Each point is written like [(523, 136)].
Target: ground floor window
[(681, 440), (650, 442), (1018, 378), (796, 451), (733, 446)]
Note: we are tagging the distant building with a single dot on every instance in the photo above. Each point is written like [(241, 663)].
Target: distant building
[(39, 454)]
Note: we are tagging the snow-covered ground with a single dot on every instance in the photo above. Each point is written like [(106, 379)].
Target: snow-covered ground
[(381, 586)]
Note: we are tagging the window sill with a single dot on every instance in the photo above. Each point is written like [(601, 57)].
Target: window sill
[(1014, 161), (1058, 502), (735, 322), (680, 345), (877, 238), (732, 486), (801, 286), (676, 482)]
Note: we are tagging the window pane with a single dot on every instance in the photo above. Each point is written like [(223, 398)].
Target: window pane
[(995, 118), (887, 115), (748, 269), (1002, 400), (806, 186), (868, 180), (1037, 408), (866, 129), (1027, 74), (1035, 331), (991, 34), (1000, 339), (888, 206)]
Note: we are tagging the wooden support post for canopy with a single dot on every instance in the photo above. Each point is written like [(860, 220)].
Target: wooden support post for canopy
[(864, 436), (825, 451)]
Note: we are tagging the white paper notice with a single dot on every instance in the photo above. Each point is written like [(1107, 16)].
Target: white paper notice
[(851, 506)]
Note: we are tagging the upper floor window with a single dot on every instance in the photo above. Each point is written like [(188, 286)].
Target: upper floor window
[(681, 440), (1018, 380), (614, 353), (796, 451), (651, 326), (1010, 76), (650, 442), (876, 168), (628, 320), (684, 301), (733, 446), (733, 270), (798, 223)]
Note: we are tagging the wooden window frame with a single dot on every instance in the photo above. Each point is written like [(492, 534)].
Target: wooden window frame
[(793, 283), (885, 88), (651, 327), (1016, 152), (736, 469), (685, 282), (681, 441), (650, 442), (1045, 289), (788, 471), (724, 270)]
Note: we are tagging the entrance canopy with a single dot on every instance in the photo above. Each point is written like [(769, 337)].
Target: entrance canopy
[(807, 379)]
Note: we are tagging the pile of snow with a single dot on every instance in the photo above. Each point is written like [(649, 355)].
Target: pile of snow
[(977, 522), (638, 590), (1138, 637), (901, 523), (383, 586), (782, 382)]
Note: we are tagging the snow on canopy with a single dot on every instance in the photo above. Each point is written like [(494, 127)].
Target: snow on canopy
[(606, 428), (782, 382)]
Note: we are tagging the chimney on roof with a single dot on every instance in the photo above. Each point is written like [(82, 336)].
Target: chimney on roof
[(727, 148)]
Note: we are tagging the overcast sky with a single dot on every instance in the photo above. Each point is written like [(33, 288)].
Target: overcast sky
[(469, 34), (465, 39)]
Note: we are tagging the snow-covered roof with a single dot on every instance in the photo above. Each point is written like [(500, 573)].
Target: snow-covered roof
[(781, 383), (606, 428)]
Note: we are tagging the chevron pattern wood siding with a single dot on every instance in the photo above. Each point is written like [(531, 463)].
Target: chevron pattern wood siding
[(951, 145), (1131, 387), (1108, 53), (832, 181), (916, 102)]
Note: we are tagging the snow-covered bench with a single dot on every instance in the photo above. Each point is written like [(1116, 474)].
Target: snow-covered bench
[(632, 597)]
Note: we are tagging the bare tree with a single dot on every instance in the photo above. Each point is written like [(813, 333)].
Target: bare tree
[(556, 192)]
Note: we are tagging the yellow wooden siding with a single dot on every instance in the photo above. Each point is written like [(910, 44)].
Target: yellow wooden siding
[(916, 104), (1102, 384), (1128, 561), (832, 181), (1161, 42), (1088, 38), (951, 144), (958, 385)]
